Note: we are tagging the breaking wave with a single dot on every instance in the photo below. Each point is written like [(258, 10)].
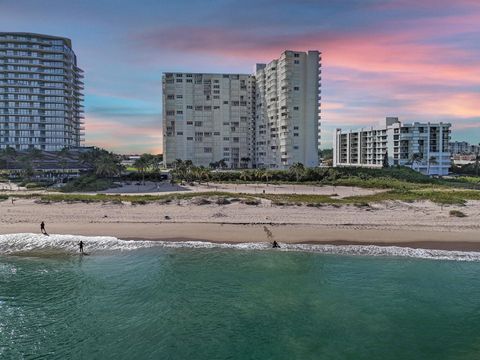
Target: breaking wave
[(11, 244)]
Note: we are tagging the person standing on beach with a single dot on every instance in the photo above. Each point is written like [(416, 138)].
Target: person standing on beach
[(42, 228), (80, 245)]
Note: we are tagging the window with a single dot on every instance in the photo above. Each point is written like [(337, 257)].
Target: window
[(296, 88), (179, 80), (179, 96), (207, 149), (296, 62), (295, 108), (190, 138), (198, 123), (179, 133), (189, 107), (296, 55), (170, 97), (179, 112)]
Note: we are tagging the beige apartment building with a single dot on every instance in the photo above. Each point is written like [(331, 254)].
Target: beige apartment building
[(267, 120)]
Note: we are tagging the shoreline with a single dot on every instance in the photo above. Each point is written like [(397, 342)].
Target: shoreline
[(254, 233)]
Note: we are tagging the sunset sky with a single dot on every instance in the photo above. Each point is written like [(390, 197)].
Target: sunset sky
[(418, 60)]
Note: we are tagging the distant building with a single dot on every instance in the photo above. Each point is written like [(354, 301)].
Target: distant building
[(287, 119), (267, 120), (422, 146), (463, 148), (40, 93), (207, 118)]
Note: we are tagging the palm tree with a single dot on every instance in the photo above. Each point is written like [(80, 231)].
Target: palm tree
[(142, 164), (245, 175), (416, 158), (107, 165), (385, 160), (267, 175), (297, 169), (63, 156), (245, 161), (222, 164)]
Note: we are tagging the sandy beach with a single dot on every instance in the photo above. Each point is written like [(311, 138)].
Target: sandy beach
[(420, 224)]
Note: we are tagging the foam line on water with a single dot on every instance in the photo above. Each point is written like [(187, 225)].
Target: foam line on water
[(18, 243)]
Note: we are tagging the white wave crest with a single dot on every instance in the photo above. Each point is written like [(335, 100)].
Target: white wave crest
[(19, 243)]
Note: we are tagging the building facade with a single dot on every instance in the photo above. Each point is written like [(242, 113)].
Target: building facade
[(208, 118), (40, 93), (423, 147), (267, 120), (463, 148), (287, 119)]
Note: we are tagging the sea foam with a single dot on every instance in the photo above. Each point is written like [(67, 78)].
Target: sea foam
[(20, 243)]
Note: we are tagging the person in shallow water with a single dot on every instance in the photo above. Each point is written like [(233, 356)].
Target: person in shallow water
[(80, 245), (42, 228), (275, 244)]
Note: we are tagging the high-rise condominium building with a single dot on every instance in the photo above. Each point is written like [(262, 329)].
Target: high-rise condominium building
[(288, 111), (208, 118), (421, 146), (270, 120), (40, 93)]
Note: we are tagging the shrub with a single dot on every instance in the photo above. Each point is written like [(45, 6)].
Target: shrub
[(222, 201), (32, 185), (201, 201), (88, 183), (251, 202), (457, 213)]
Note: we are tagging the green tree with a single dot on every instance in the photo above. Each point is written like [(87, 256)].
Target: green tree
[(63, 156), (143, 163), (385, 163), (107, 165), (297, 170), (8, 155), (245, 175)]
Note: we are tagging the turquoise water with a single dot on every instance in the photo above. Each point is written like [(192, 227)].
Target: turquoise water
[(160, 303)]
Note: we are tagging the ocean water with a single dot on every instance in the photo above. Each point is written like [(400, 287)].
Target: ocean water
[(144, 300)]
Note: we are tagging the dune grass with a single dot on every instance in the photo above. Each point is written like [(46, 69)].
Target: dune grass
[(443, 196)]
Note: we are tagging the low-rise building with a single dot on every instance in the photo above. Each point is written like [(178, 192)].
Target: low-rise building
[(423, 147), (463, 148)]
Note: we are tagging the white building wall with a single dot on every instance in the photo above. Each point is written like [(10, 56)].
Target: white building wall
[(287, 110), (421, 146)]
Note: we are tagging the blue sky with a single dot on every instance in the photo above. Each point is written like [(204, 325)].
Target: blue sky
[(419, 60)]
